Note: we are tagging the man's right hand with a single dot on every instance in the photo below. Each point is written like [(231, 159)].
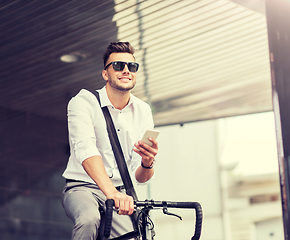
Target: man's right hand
[(123, 202), (95, 169)]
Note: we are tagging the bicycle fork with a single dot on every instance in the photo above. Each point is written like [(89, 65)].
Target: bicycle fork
[(146, 231)]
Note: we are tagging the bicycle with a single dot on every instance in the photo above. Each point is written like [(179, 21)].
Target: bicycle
[(145, 224)]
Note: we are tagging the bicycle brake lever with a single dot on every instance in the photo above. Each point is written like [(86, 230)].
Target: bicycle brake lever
[(165, 211)]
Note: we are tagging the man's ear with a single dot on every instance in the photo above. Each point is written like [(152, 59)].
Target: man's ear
[(105, 75)]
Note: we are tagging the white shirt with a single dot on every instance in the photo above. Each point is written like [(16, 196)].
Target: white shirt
[(88, 134)]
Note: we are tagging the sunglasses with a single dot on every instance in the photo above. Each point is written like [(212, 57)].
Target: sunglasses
[(119, 66)]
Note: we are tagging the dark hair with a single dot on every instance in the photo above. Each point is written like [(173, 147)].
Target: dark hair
[(117, 47)]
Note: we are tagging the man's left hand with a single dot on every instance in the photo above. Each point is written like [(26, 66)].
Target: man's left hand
[(146, 152)]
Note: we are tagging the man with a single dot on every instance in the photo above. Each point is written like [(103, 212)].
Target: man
[(92, 174)]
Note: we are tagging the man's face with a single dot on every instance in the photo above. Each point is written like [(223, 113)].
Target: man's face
[(120, 80)]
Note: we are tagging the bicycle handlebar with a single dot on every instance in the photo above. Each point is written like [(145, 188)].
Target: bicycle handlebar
[(108, 217), (158, 204)]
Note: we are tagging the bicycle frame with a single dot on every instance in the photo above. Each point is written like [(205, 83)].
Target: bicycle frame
[(146, 206)]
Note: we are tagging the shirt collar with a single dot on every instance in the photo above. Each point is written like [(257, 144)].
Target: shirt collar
[(105, 101)]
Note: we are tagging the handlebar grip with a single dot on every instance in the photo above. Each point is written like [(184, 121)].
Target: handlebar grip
[(108, 217), (198, 222), (198, 211)]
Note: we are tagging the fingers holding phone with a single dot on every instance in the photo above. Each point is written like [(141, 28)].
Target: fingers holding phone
[(147, 146)]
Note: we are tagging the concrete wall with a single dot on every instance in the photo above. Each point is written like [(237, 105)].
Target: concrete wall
[(187, 170), (271, 229)]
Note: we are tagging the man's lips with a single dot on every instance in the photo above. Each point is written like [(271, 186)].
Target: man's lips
[(125, 79)]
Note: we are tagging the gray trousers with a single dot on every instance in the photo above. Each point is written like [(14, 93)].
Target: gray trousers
[(82, 203)]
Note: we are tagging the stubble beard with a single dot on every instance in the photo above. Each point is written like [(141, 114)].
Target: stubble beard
[(118, 87)]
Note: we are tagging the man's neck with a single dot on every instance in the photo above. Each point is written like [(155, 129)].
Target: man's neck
[(118, 98)]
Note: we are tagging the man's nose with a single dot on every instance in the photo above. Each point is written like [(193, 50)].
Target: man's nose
[(126, 69)]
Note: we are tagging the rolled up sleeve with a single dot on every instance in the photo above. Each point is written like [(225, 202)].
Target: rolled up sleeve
[(81, 129)]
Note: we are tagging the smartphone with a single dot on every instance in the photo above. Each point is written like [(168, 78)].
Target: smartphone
[(149, 133)]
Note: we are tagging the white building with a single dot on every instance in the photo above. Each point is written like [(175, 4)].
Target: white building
[(190, 166)]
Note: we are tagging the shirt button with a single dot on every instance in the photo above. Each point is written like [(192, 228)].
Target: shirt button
[(118, 130)]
